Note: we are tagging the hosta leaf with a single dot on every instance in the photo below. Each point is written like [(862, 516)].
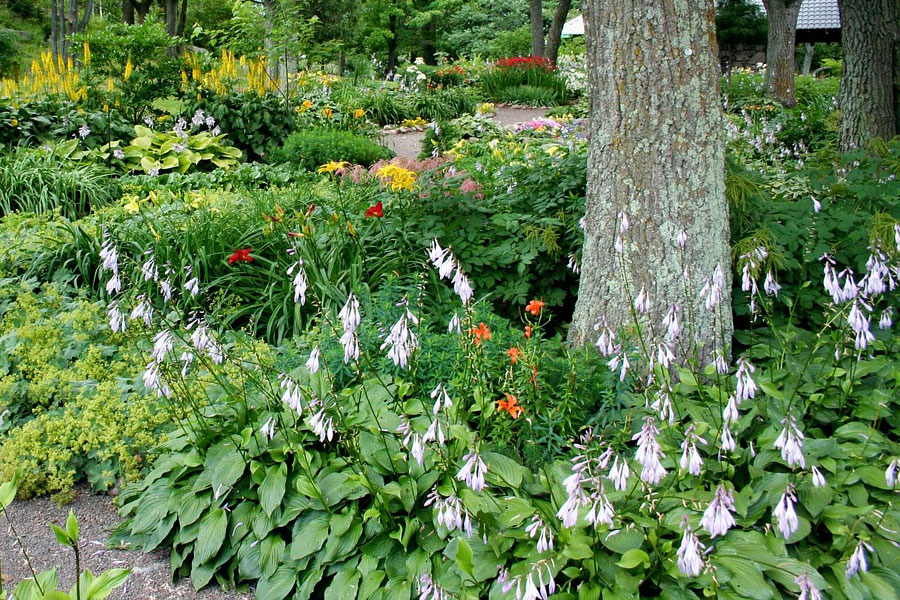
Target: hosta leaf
[(344, 585), (278, 585), (272, 489), (309, 534), (211, 535)]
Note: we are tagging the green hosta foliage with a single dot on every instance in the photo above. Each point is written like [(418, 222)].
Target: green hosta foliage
[(155, 152), (256, 125), (53, 120), (72, 408)]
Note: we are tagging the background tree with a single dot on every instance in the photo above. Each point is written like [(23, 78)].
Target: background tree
[(780, 49), (869, 32), (550, 47), (739, 23), (655, 168)]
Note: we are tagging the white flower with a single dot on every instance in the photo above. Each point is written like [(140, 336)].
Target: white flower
[(681, 239), (539, 529), (790, 442), (568, 512), (300, 284), (148, 269), (727, 442), (662, 404), (886, 320), (771, 286), (642, 302), (717, 519), (720, 363), (291, 394), (730, 413), (349, 314), (351, 346), (268, 429), (671, 323), (442, 259), (619, 473), (857, 561), (746, 387), (401, 341), (412, 441), (165, 287), (649, 453), (690, 559), (473, 471), (114, 285), (462, 287), (193, 286), (143, 310), (312, 363), (785, 514), (818, 479), (119, 153), (163, 343), (434, 433), (454, 325), (713, 289), (322, 425), (450, 512), (116, 318), (187, 359), (441, 399), (210, 122), (429, 590), (84, 131), (601, 511)]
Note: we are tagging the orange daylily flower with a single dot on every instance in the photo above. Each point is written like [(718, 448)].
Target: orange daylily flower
[(535, 306), (513, 354), (528, 332), (510, 405), (480, 333)]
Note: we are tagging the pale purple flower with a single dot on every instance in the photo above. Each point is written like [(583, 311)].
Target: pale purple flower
[(808, 591), (462, 287), (624, 224), (681, 239), (429, 590), (886, 320), (84, 131), (441, 399), (473, 471), (268, 428), (690, 553), (746, 387), (727, 443), (662, 404), (349, 314), (672, 324), (187, 359), (717, 519), (601, 511), (412, 441), (859, 322), (890, 474), (537, 584), (720, 363), (649, 452), (730, 413), (119, 153), (857, 561), (109, 254), (691, 461), (606, 343), (148, 269), (351, 345), (642, 302), (434, 433), (713, 289), (770, 285), (576, 498), (785, 514), (790, 442), (450, 512), (143, 310), (620, 363), (454, 325), (163, 343)]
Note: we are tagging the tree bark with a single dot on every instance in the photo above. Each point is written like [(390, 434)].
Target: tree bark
[(868, 35), (655, 158), (182, 19), (780, 61), (392, 44), (171, 11), (537, 27), (808, 58), (554, 38), (127, 12)]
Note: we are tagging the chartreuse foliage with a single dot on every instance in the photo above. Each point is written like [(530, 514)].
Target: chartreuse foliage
[(72, 407)]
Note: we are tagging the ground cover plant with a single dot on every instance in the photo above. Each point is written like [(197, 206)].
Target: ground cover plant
[(345, 375)]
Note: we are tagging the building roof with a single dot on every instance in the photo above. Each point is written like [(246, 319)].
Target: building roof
[(573, 27), (816, 14)]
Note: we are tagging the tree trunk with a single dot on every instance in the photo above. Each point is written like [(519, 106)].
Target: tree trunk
[(555, 36), (182, 19), (868, 34), (54, 29), (537, 27), (392, 44), (127, 12), (171, 10), (656, 158), (780, 62), (808, 58)]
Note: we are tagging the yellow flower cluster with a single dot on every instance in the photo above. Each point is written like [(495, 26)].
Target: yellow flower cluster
[(396, 177), (46, 76), (232, 75)]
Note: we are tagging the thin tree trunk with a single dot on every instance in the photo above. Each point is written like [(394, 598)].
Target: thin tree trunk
[(182, 19), (655, 168), (537, 27), (808, 58), (868, 34), (54, 29), (392, 44), (128, 12), (171, 12), (780, 61), (554, 38)]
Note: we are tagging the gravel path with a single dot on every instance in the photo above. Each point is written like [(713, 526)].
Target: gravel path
[(150, 577), (408, 145)]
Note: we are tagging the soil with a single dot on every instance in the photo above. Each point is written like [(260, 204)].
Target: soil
[(408, 145), (150, 577)]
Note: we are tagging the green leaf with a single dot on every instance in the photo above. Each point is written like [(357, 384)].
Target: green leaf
[(623, 540), (225, 466), (464, 556), (61, 536), (309, 534), (270, 552), (578, 551), (7, 493), (272, 489), (344, 585), (103, 585), (746, 578), (502, 470), (278, 585), (211, 535), (72, 527), (633, 558)]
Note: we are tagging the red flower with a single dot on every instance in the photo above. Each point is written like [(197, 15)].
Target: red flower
[(375, 211), (480, 333), (527, 331), (241, 256), (534, 307), (513, 354)]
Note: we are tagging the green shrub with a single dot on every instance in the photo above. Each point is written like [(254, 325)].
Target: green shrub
[(155, 152), (313, 148), (41, 181)]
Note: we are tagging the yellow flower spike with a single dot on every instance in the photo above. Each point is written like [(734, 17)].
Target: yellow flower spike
[(350, 229), (87, 54), (129, 68), (110, 85)]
